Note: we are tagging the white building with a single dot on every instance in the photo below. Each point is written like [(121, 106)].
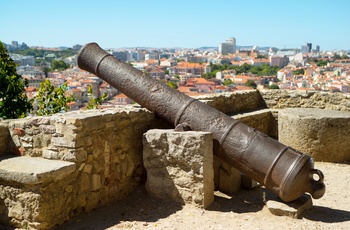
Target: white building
[(228, 47)]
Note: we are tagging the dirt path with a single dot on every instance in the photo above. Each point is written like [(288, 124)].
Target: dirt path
[(244, 210)]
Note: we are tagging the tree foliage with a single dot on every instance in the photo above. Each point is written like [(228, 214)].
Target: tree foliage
[(52, 100), (273, 86), (321, 63), (260, 56), (59, 65), (42, 52), (228, 82), (262, 70), (172, 84), (13, 100), (250, 83), (299, 72), (94, 102)]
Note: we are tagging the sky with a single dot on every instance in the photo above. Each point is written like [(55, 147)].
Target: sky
[(177, 23)]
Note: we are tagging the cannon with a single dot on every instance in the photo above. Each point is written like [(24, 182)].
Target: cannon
[(281, 169)]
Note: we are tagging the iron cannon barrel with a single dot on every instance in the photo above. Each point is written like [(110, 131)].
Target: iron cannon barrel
[(281, 169)]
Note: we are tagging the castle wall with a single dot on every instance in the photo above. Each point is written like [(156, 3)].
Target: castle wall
[(106, 148)]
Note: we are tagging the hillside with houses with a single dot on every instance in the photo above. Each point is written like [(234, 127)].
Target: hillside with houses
[(197, 71)]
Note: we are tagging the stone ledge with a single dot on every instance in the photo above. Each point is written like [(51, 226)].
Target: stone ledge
[(34, 170), (322, 134)]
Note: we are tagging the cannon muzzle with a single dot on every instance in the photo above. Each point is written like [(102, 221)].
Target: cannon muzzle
[(281, 169)]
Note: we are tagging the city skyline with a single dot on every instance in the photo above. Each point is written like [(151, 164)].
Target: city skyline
[(186, 24)]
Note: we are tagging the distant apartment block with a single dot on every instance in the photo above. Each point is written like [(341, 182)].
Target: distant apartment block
[(188, 70), (306, 48), (279, 61), (77, 47), (122, 55), (157, 73), (23, 60), (122, 99), (317, 48), (228, 47), (344, 88)]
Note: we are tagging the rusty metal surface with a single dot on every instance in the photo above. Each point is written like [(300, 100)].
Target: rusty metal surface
[(279, 168)]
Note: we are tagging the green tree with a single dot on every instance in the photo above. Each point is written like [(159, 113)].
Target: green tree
[(344, 56), (13, 100), (172, 84), (273, 86), (299, 72), (250, 83), (52, 100), (336, 56), (228, 82), (59, 65), (321, 63), (260, 56), (94, 102)]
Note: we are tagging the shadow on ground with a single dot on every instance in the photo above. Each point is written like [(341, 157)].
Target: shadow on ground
[(326, 215), (138, 206), (244, 201)]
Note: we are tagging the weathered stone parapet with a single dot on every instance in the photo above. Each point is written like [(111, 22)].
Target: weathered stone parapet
[(179, 166), (323, 134), (235, 102), (279, 99), (4, 137), (105, 147), (264, 120)]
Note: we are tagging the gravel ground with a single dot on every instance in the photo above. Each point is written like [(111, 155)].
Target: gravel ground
[(243, 210)]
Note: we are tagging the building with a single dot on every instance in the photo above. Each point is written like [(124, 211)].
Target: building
[(157, 73), (122, 55), (122, 99), (201, 85), (279, 61), (317, 49), (15, 44), (306, 48), (23, 60), (228, 47), (309, 45), (188, 70)]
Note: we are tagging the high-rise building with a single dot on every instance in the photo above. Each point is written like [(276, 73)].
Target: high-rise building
[(122, 55), (310, 46), (317, 48), (228, 47), (15, 44)]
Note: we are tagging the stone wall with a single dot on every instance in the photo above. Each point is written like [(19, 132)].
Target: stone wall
[(106, 149), (233, 103), (4, 137), (322, 134), (280, 99), (105, 146)]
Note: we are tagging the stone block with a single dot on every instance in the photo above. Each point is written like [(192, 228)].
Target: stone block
[(34, 170), (321, 133), (179, 166), (291, 209)]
